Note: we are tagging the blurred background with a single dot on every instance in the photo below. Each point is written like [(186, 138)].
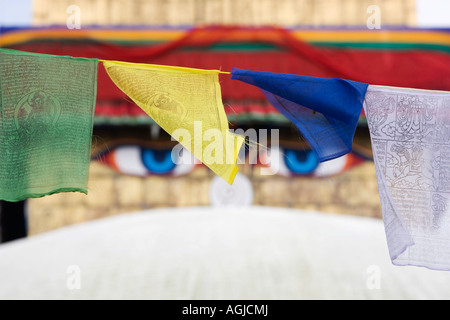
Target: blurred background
[(386, 42), (212, 34)]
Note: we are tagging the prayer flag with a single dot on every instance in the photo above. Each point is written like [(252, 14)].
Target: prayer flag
[(187, 104), (410, 134), (47, 108), (326, 111)]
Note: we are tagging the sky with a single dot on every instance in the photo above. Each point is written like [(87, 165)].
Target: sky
[(433, 13), (15, 12), (430, 13)]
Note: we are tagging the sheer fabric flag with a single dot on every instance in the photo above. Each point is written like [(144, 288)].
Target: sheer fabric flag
[(326, 111), (47, 110), (410, 134), (187, 104)]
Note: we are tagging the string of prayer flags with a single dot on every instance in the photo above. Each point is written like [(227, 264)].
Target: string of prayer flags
[(46, 119), (410, 134), (187, 104), (326, 111), (47, 107)]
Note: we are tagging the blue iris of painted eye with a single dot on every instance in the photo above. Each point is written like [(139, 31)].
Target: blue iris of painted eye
[(158, 161), (291, 162), (142, 161), (301, 161)]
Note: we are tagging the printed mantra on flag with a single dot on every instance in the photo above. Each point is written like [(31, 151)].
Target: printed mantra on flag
[(36, 112), (410, 133)]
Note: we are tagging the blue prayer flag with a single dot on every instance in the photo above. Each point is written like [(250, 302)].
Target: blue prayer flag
[(326, 111)]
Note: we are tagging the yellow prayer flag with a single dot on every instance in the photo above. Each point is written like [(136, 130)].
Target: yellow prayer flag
[(187, 104)]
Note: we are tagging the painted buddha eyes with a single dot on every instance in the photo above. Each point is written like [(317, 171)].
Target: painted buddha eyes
[(292, 162), (143, 161)]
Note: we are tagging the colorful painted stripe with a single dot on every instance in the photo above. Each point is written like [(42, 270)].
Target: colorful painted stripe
[(267, 49), (438, 39)]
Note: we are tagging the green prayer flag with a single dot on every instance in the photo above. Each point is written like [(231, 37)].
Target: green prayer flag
[(47, 105)]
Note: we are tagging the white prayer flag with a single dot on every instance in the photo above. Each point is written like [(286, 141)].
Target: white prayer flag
[(410, 135)]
